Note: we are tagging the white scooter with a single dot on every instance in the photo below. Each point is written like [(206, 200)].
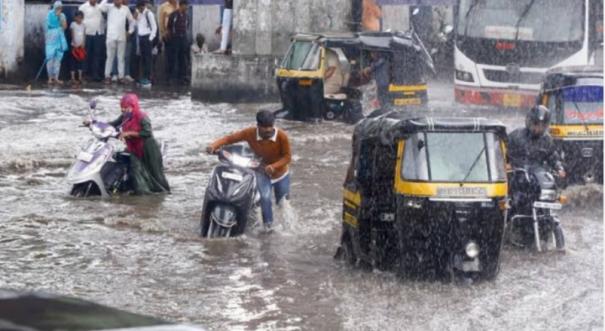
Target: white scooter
[(99, 168)]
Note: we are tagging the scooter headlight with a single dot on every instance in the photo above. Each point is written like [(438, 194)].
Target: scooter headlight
[(472, 249), (548, 195)]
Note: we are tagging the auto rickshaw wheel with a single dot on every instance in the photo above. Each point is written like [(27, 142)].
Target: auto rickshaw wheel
[(329, 115)]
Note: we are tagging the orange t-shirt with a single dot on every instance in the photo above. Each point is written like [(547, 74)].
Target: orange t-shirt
[(370, 17), (274, 152)]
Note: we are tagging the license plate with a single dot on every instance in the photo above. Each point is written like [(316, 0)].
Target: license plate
[(461, 192), (232, 176), (587, 152), (547, 205), (407, 101), (511, 100), (85, 156)]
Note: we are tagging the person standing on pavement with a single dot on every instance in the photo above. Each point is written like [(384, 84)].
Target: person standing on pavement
[(131, 46), (117, 18), (165, 10), (78, 54), (178, 23), (94, 25), (55, 42), (225, 28), (273, 147), (146, 30)]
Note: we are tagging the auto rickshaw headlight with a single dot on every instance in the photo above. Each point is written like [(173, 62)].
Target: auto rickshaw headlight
[(413, 203), (548, 195), (472, 249), (563, 199)]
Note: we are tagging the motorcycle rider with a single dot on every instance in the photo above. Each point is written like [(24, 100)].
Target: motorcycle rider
[(272, 146), (533, 144)]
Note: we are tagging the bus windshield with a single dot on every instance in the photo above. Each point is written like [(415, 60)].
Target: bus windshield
[(580, 105), (527, 20)]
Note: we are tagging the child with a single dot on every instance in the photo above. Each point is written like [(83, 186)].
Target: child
[(199, 47), (78, 53)]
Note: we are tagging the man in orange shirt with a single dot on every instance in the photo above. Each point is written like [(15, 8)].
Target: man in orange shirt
[(272, 146)]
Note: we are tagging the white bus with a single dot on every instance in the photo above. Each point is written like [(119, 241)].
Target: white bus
[(504, 47)]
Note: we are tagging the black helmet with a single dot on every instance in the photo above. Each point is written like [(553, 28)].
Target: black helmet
[(537, 115)]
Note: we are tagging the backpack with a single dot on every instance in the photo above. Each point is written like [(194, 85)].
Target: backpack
[(156, 40)]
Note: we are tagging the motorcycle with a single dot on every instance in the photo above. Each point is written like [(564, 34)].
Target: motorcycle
[(535, 198), (99, 168), (231, 197)]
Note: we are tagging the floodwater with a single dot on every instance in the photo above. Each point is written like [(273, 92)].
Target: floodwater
[(143, 254)]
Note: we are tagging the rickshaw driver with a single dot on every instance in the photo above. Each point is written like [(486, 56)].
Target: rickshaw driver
[(333, 76), (380, 70), (533, 144)]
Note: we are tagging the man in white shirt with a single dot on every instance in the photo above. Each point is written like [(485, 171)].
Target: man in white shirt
[(117, 16), (147, 30), (94, 24)]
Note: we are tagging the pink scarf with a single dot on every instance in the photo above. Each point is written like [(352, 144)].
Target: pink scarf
[(132, 122)]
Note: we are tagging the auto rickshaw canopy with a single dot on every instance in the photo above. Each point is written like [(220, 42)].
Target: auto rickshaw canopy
[(399, 44), (394, 126), (562, 77)]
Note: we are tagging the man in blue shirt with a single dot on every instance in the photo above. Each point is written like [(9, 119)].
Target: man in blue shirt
[(380, 69)]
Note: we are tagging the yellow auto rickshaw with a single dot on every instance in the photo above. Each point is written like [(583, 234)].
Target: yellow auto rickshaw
[(574, 95), (321, 73), (426, 196)]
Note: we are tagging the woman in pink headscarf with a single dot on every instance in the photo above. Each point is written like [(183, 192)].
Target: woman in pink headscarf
[(146, 166)]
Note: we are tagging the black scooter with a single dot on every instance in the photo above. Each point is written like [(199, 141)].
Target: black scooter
[(231, 197), (534, 199)]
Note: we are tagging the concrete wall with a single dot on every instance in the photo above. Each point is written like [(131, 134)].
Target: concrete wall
[(264, 27), (261, 36), (241, 78), (34, 39), (206, 18), (395, 17), (11, 37)]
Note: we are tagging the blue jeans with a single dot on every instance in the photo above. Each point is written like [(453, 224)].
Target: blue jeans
[(281, 188)]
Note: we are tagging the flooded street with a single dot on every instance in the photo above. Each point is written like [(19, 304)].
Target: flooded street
[(143, 254)]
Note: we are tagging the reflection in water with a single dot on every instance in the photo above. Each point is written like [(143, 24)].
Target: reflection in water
[(143, 254)]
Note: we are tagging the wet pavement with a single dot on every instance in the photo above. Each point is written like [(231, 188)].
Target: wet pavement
[(143, 254)]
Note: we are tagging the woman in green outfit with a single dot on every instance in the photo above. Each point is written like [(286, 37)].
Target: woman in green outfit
[(146, 166)]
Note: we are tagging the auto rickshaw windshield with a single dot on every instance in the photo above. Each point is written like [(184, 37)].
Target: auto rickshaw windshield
[(578, 105), (453, 157), (302, 55)]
